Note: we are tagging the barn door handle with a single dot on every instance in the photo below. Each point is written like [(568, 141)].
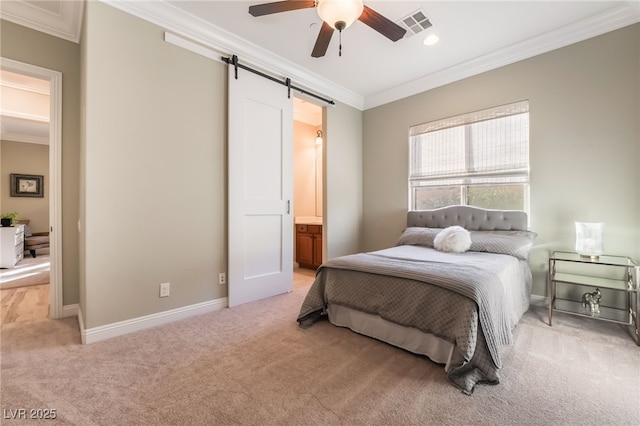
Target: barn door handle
[(288, 206)]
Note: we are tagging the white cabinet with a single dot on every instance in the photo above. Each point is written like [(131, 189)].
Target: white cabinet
[(11, 245)]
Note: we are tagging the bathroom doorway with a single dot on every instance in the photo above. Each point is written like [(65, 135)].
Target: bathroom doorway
[(308, 185)]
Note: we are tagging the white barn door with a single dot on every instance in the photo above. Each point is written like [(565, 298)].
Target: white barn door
[(260, 188)]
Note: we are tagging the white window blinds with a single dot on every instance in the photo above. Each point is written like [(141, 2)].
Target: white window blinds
[(484, 147)]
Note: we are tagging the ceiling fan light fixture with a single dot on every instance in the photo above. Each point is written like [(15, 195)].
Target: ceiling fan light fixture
[(339, 13)]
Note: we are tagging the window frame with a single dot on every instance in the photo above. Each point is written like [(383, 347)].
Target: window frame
[(520, 174)]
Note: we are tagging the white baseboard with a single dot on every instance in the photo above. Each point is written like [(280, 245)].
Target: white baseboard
[(103, 332), (538, 301), (70, 310)]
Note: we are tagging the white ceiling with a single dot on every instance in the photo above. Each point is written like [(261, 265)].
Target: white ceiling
[(475, 36), (24, 108)]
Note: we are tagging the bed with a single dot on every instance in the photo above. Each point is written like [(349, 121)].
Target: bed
[(453, 288)]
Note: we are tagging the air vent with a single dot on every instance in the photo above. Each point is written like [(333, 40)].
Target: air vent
[(415, 23)]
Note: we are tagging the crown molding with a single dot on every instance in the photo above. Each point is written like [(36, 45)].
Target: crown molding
[(62, 19), (20, 137), (24, 87), (24, 116), (212, 38), (24, 128), (225, 43), (613, 19)]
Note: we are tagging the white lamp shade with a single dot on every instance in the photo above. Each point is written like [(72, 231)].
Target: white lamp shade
[(332, 11), (589, 238)]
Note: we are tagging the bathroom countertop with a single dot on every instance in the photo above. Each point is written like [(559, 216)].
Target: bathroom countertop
[(308, 220)]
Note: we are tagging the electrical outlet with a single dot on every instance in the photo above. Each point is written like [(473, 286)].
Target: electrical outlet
[(222, 278), (165, 289)]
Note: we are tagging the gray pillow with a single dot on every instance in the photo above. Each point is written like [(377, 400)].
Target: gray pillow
[(513, 243), (418, 236)]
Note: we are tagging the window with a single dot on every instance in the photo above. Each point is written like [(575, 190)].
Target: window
[(479, 159)]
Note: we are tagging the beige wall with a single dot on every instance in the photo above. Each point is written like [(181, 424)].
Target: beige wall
[(36, 48), (154, 150), (155, 168), (307, 179), (147, 182), (151, 169), (584, 149), (31, 159), (342, 181)]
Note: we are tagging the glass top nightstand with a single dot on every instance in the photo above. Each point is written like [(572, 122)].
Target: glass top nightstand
[(616, 274)]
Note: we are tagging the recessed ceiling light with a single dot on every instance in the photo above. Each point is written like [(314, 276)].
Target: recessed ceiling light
[(431, 39)]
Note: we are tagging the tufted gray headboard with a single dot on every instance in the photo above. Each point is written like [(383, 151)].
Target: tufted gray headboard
[(471, 218)]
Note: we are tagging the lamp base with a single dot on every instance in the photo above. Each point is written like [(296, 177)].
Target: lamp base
[(590, 256)]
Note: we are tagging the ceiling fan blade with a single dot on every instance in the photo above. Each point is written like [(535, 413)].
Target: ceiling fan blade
[(279, 6), (322, 42), (384, 26)]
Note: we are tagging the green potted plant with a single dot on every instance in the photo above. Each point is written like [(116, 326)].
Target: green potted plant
[(8, 219)]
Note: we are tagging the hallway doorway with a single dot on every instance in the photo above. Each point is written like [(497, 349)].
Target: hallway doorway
[(32, 126)]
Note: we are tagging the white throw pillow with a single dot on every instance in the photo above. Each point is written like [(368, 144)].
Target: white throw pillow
[(454, 239)]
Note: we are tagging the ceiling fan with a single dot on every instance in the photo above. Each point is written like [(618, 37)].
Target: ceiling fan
[(335, 15)]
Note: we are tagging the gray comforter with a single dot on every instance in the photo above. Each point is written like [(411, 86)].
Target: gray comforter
[(471, 299)]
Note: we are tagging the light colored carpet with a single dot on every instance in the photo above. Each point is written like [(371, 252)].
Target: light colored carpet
[(252, 365), (29, 271)]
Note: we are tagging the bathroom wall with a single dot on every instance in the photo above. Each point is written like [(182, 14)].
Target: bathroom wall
[(307, 171)]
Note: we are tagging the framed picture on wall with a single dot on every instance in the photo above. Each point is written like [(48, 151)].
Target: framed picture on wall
[(27, 185)]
